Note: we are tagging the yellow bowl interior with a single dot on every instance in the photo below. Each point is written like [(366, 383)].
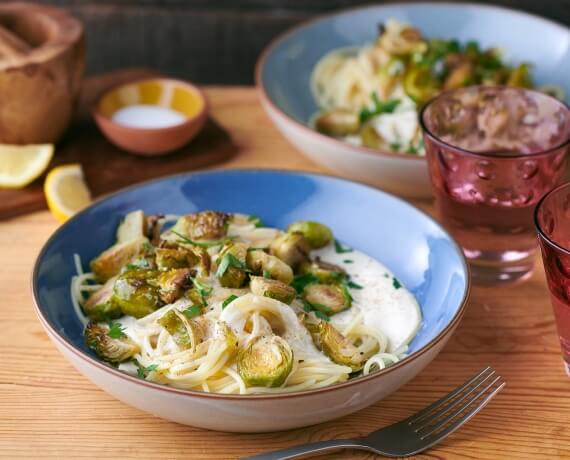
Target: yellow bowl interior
[(163, 93)]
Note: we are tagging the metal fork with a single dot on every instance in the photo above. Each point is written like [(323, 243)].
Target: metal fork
[(416, 433)]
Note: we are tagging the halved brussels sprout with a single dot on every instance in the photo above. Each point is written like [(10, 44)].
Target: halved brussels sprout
[(232, 268), (136, 292), (292, 248), (110, 262), (266, 361), (338, 122), (327, 298), (338, 348), (326, 273), (186, 333), (100, 306), (316, 234), (178, 257), (172, 283), (204, 225), (520, 77), (114, 350), (420, 84), (273, 289), (132, 227), (260, 262)]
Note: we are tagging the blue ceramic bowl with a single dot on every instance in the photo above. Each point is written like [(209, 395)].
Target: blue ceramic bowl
[(410, 243), (284, 69)]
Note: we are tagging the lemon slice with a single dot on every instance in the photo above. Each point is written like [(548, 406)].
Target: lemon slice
[(66, 191), (21, 164)]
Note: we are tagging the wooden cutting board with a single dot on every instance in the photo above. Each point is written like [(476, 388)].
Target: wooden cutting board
[(108, 168)]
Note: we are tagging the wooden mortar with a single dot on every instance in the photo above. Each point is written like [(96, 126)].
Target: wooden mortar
[(42, 59)]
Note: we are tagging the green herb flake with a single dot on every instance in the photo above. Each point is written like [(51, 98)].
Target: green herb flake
[(309, 307), (348, 261), (255, 220), (266, 274), (201, 244), (229, 260), (203, 289), (378, 108), (116, 330), (396, 146), (142, 371), (340, 249), (353, 285), (229, 300), (396, 283), (192, 311), (321, 315), (147, 246), (386, 275), (301, 281)]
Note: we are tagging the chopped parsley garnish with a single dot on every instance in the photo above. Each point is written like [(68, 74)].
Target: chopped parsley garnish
[(147, 246), (229, 300), (266, 274), (317, 308), (203, 289), (396, 283), (340, 249), (201, 244), (353, 285), (300, 281), (379, 107), (192, 311), (348, 261), (229, 260), (116, 330), (255, 220), (142, 371), (396, 146)]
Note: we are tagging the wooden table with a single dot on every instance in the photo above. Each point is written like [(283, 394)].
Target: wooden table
[(48, 410)]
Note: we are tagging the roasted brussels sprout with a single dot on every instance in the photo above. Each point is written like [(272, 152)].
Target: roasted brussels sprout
[(232, 268), (136, 292), (338, 348), (327, 298), (179, 257), (110, 262), (132, 227), (172, 283), (100, 306), (338, 123), (520, 77), (292, 248), (259, 262), (114, 350), (185, 332), (273, 289), (460, 76), (266, 361), (316, 234), (204, 225), (325, 272), (420, 84)]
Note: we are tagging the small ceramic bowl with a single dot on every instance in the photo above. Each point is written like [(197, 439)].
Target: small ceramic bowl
[(180, 96), (419, 251)]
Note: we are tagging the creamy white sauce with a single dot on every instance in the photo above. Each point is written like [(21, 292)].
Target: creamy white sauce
[(393, 311), (147, 116)]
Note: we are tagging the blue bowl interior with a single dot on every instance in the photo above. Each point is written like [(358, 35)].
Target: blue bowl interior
[(411, 244), (288, 66)]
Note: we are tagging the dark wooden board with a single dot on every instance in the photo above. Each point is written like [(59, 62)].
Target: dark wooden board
[(213, 41), (106, 167)]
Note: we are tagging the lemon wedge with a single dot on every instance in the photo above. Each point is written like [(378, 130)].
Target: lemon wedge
[(66, 191), (21, 164)]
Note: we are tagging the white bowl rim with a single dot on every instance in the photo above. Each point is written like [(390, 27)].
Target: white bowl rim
[(266, 99), (88, 360)]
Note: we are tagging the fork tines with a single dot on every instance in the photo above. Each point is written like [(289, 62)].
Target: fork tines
[(449, 413)]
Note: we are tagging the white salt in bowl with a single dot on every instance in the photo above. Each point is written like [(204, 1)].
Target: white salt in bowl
[(152, 116)]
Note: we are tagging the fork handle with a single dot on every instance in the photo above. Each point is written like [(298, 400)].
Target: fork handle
[(314, 448)]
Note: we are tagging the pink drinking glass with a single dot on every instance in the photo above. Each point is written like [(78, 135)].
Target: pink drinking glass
[(552, 219), (493, 153)]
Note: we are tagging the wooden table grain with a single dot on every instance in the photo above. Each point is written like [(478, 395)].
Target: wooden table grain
[(49, 410)]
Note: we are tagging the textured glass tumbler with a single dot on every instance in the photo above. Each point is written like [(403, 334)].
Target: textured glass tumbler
[(552, 219), (493, 153)]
